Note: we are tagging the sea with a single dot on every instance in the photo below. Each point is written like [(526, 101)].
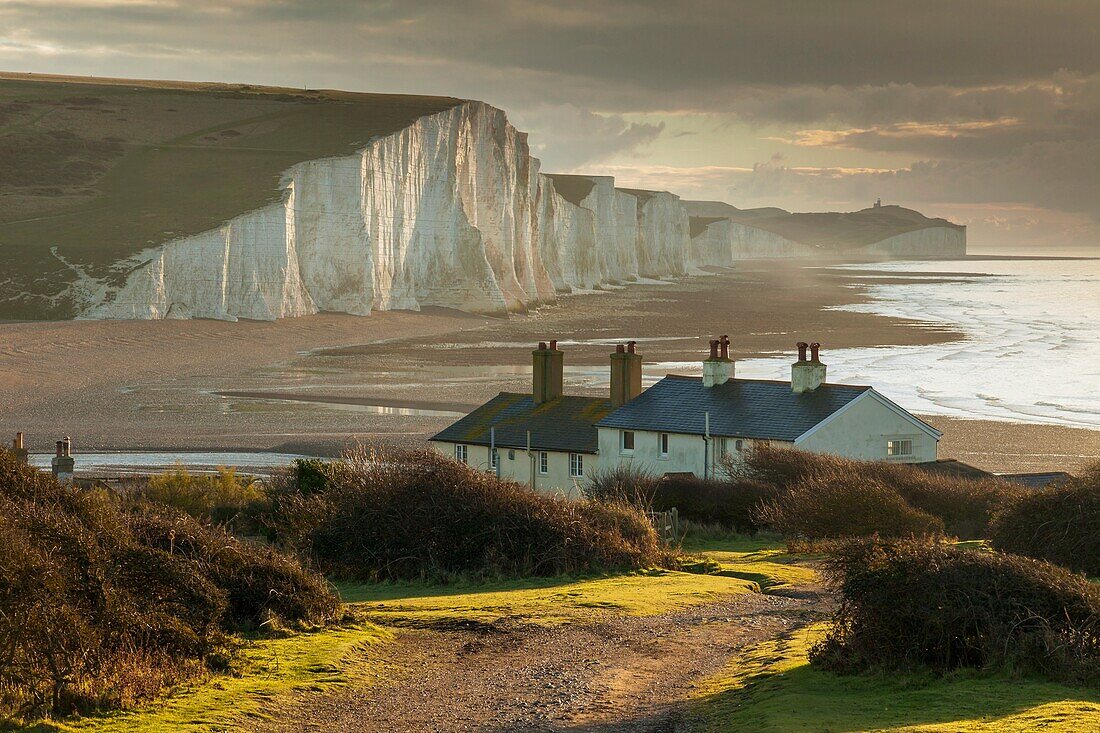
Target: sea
[(1030, 351)]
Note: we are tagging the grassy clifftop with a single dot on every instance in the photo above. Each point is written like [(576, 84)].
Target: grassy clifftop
[(94, 170), (833, 231)]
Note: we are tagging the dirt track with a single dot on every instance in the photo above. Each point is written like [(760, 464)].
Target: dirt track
[(616, 674)]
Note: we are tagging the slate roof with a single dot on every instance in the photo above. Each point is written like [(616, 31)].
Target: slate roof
[(1037, 480), (740, 408), (567, 424)]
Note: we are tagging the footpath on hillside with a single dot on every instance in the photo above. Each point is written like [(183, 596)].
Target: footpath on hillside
[(617, 673)]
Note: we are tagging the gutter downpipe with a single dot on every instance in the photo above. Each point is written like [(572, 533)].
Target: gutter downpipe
[(530, 461), (706, 445), (493, 450)]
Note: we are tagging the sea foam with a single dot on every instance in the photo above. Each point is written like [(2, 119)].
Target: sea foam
[(1031, 351)]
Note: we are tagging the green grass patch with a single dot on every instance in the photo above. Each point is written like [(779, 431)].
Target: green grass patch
[(269, 669), (545, 601), (772, 689), (760, 559)]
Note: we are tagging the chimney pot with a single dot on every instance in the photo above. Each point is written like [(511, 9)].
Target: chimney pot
[(807, 374), (632, 347), (725, 346), (626, 374), (60, 448), (547, 373), (714, 349), (554, 345), (18, 444)]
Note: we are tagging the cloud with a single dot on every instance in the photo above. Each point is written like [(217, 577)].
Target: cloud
[(566, 137), (981, 102)]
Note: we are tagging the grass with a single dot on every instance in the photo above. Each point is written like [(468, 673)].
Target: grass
[(772, 689), (760, 559), (185, 158), (270, 669), (543, 601)]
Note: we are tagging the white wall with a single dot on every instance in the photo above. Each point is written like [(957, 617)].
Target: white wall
[(862, 430), (686, 453), (519, 468)]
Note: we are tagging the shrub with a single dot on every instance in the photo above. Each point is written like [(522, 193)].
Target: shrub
[(734, 504), (622, 483), (964, 506), (911, 604), (832, 504), (221, 498), (311, 475), (417, 514), (1059, 524), (261, 584), (103, 607)]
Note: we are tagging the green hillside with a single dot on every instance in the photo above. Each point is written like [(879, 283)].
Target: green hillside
[(95, 170), (833, 231)]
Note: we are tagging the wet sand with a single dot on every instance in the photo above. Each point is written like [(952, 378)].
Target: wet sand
[(321, 383)]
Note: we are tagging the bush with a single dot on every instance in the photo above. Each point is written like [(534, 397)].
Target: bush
[(221, 498), (910, 604), (964, 506), (104, 607), (734, 504), (261, 584), (834, 504), (622, 483), (417, 514), (1059, 524)]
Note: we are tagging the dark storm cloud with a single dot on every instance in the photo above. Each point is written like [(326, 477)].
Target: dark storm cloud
[(640, 53), (996, 98)]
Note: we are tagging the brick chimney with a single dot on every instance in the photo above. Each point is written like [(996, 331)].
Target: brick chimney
[(626, 374), (547, 366), (808, 373), (19, 450), (63, 463), (718, 367)]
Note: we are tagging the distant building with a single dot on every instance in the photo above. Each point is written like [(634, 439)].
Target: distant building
[(679, 425)]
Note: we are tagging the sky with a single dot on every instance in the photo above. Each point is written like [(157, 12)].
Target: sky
[(983, 111)]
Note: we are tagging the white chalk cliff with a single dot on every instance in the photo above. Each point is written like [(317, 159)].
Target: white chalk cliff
[(927, 242), (450, 211), (722, 242)]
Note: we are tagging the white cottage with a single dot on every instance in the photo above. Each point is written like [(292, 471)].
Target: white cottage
[(681, 424)]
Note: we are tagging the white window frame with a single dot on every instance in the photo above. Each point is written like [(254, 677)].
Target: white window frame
[(899, 448), (576, 465), (622, 441), (462, 453), (544, 463), (663, 441)]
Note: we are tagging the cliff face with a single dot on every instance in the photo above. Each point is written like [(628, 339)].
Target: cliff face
[(438, 213), (928, 242), (449, 211), (721, 243)]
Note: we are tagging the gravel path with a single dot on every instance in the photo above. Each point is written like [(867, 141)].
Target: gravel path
[(615, 674)]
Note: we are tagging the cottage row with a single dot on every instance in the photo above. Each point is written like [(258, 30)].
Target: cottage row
[(681, 424)]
